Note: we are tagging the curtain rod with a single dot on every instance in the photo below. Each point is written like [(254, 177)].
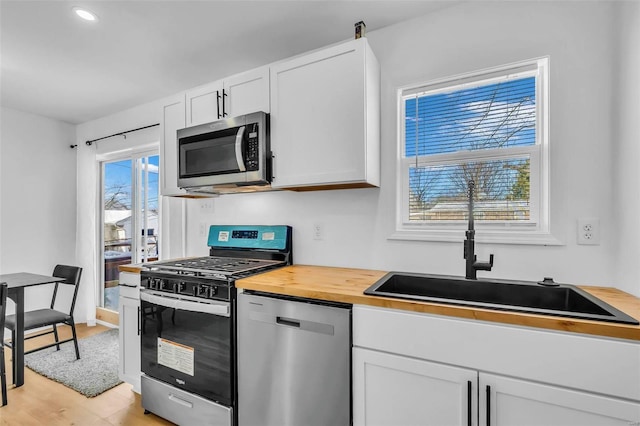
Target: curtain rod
[(89, 143)]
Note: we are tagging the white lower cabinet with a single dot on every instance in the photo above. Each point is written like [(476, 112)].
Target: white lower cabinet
[(507, 401), (395, 390), (414, 369), (129, 311)]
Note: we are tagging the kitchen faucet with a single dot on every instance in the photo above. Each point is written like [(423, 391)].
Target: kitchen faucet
[(469, 244)]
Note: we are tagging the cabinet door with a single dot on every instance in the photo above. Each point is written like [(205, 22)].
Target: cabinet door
[(204, 104), (172, 119), (506, 401), (399, 391), (129, 364), (325, 118), (247, 92)]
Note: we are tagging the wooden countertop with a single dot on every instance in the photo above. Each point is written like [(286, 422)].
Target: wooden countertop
[(347, 285), (135, 268)]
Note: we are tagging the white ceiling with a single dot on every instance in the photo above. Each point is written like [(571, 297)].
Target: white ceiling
[(55, 65)]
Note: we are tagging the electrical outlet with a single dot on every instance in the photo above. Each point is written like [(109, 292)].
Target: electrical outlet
[(588, 231), (318, 231), (203, 229), (206, 205)]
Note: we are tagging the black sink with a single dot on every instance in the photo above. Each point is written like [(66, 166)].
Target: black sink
[(562, 300)]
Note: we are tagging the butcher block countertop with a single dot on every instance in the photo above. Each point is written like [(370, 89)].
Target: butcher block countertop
[(347, 285)]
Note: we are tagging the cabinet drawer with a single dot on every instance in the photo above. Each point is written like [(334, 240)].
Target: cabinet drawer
[(130, 285), (181, 407)]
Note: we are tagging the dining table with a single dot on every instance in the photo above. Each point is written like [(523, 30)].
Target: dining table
[(16, 283)]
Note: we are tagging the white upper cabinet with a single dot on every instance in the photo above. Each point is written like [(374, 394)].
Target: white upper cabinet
[(247, 92), (325, 119), (171, 119), (239, 94), (204, 103)]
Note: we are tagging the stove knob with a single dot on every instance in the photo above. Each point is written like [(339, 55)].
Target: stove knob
[(181, 286), (152, 283), (203, 290), (213, 291)]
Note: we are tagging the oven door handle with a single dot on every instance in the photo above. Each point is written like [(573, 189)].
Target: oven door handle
[(220, 309)]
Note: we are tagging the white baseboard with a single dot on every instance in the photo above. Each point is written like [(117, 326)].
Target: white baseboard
[(106, 324)]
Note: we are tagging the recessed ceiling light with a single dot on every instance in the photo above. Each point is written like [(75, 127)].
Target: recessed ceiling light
[(85, 14)]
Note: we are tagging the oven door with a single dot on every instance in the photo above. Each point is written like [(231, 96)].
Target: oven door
[(187, 343)]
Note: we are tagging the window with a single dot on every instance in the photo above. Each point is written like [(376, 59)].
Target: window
[(129, 217), (488, 127)]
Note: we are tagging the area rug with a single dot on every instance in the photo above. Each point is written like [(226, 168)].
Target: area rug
[(95, 372)]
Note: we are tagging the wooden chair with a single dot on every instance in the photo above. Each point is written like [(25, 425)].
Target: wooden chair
[(51, 317), (3, 308)]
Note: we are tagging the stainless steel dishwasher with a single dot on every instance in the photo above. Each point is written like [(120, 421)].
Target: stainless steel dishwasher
[(294, 362)]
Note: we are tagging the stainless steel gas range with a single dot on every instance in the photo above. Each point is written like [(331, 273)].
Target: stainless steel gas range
[(188, 323)]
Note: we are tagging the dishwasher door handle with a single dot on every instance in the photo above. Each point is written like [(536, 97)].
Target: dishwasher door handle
[(288, 322), (300, 324)]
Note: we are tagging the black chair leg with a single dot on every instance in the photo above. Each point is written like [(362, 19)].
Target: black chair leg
[(14, 367), (3, 377), (55, 334), (75, 338)]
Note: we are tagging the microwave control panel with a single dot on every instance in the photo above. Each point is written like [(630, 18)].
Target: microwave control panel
[(253, 151)]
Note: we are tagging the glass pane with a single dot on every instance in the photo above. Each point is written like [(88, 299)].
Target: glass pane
[(497, 115), (148, 208), (440, 193), (116, 227)]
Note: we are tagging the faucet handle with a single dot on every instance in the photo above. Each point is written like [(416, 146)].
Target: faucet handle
[(484, 266)]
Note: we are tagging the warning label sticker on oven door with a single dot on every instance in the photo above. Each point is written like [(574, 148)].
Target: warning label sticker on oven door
[(176, 356)]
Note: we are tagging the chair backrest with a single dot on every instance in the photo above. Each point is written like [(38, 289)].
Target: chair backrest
[(71, 274), (3, 308)]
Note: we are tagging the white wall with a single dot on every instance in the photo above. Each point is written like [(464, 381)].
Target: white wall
[(578, 37), (626, 141), (37, 199), (592, 149)]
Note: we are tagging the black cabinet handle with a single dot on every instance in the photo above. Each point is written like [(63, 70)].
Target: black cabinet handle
[(469, 385), (488, 405), (138, 320), (224, 95), (218, 97)]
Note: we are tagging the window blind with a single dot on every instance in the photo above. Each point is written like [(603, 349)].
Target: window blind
[(471, 133)]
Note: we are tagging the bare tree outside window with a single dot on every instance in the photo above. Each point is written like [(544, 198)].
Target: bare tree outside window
[(486, 117)]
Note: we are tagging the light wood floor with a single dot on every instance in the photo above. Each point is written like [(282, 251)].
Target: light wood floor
[(41, 401)]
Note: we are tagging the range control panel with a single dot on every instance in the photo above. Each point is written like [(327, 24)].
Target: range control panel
[(249, 237)]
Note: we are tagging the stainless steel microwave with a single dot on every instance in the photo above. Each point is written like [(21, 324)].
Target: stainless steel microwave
[(230, 152)]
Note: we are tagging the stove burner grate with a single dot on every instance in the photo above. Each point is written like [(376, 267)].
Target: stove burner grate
[(215, 265)]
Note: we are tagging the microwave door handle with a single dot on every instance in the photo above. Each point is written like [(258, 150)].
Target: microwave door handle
[(239, 158)]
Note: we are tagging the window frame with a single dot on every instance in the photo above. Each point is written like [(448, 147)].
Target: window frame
[(134, 155), (537, 229)]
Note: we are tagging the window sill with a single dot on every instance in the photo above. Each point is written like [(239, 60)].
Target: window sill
[(482, 236)]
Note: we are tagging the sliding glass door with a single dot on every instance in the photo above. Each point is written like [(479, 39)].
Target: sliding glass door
[(130, 218)]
